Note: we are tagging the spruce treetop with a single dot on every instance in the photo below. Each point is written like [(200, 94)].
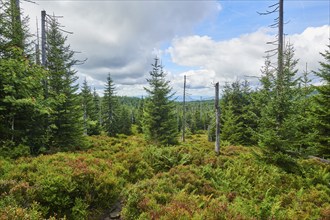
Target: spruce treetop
[(159, 120)]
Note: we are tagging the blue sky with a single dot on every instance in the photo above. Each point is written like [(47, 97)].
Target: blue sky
[(239, 17), (206, 40)]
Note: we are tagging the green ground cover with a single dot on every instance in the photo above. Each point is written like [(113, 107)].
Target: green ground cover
[(187, 181)]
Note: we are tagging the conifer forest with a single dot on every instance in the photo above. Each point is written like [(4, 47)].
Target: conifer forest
[(70, 151)]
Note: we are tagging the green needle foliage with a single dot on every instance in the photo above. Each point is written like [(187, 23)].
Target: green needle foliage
[(124, 122), (110, 109), (237, 121), (303, 119), (90, 104), (13, 31), (278, 92), (322, 106), (159, 121), (97, 114), (139, 115), (232, 126), (66, 119), (21, 101)]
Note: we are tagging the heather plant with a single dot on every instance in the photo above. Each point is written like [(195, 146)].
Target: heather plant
[(239, 184), (63, 184), (187, 181)]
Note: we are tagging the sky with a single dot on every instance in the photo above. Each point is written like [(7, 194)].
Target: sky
[(208, 41)]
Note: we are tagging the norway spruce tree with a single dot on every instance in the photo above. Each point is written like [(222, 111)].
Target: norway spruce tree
[(159, 121), (97, 114), (322, 106), (231, 126), (21, 100), (139, 115), (261, 98), (86, 101), (110, 109), (14, 30), (124, 121), (277, 128), (236, 117), (90, 114), (302, 120), (65, 121)]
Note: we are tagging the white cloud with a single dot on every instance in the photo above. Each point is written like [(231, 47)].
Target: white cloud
[(136, 90), (120, 37), (309, 44), (196, 79), (226, 61)]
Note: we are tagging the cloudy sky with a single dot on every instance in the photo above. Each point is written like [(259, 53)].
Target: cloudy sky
[(208, 41)]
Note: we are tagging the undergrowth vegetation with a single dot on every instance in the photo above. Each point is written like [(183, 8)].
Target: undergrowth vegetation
[(187, 181)]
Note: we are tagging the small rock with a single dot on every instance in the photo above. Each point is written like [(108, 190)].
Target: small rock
[(115, 215)]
